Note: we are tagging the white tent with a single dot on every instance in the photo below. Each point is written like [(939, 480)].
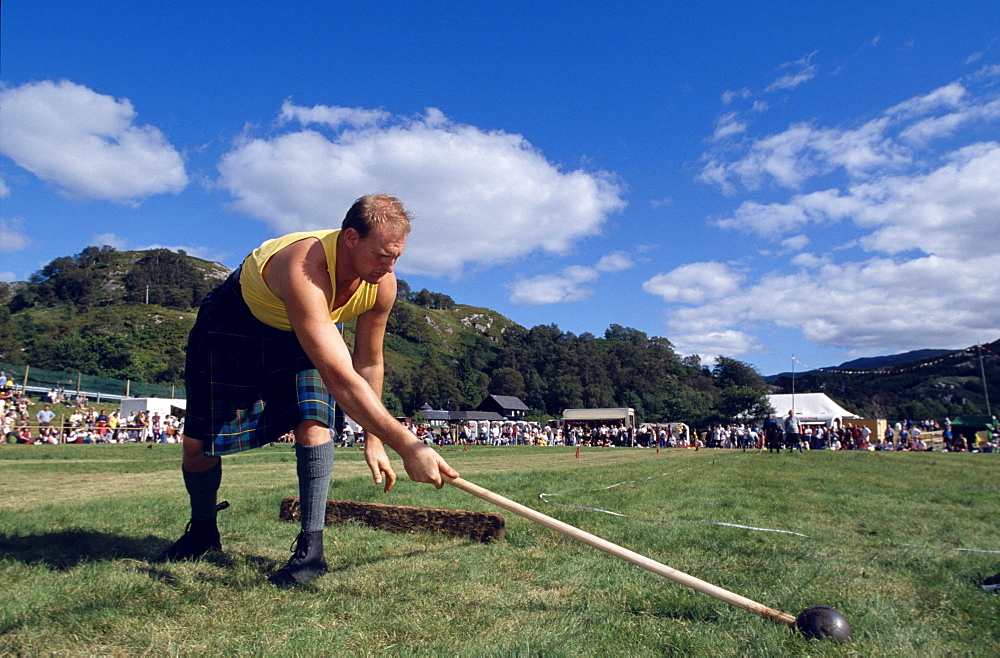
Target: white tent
[(162, 406), (810, 408)]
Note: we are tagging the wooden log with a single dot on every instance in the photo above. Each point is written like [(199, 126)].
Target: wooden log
[(478, 526)]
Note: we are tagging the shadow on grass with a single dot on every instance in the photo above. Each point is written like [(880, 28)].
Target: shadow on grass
[(66, 549)]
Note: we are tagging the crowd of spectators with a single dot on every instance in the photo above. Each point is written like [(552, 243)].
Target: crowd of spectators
[(77, 420)]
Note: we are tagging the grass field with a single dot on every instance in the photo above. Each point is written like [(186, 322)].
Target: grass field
[(898, 542)]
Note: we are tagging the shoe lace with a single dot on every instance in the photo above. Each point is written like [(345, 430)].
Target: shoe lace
[(298, 549)]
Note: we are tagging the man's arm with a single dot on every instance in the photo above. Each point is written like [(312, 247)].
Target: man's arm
[(369, 362), (298, 276)]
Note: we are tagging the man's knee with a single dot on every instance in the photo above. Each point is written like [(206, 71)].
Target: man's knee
[(312, 433), (195, 460)]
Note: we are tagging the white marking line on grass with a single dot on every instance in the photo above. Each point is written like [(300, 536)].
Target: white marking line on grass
[(731, 525), (545, 496), (974, 550), (966, 550)]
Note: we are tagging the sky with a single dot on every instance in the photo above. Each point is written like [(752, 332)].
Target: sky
[(783, 183)]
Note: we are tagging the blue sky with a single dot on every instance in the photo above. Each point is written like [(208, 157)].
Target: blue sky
[(756, 180)]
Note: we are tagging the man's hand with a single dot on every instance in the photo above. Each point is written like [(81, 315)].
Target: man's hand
[(378, 462), (424, 464)]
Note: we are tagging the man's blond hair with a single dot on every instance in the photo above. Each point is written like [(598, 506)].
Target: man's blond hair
[(377, 210)]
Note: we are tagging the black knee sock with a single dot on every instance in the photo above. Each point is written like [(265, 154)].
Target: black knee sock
[(314, 464), (203, 488)]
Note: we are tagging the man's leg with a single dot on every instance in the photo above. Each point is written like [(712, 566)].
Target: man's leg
[(202, 477), (314, 464)]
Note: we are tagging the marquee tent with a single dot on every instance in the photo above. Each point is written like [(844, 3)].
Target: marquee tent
[(810, 408)]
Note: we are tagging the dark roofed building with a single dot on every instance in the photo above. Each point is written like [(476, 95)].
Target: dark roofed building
[(508, 406), (436, 417), (440, 417)]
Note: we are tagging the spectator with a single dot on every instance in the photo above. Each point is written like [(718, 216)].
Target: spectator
[(792, 436), (45, 416)]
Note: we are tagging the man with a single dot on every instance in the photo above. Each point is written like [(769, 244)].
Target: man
[(45, 416), (266, 357), (771, 435), (792, 438)]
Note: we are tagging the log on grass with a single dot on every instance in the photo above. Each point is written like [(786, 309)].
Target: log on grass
[(478, 526)]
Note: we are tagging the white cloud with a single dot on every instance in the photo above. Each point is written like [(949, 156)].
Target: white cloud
[(548, 289), (888, 143), (694, 283), (728, 125), (730, 95), (8, 277), (948, 97), (876, 305), (795, 243), (803, 70), (776, 219), (332, 116), (709, 345), (802, 152), (950, 211), (112, 240), (12, 237), (616, 261), (810, 261), (4, 189), (568, 286), (123, 244), (926, 214), (479, 198), (86, 143)]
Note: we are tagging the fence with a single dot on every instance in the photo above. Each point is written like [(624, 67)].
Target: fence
[(40, 380)]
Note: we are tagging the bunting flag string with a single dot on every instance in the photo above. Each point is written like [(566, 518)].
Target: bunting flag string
[(987, 350), (967, 352)]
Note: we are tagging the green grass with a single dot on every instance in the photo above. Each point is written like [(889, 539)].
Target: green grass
[(79, 525)]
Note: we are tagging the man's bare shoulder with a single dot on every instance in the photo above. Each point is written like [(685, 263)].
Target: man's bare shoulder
[(303, 260)]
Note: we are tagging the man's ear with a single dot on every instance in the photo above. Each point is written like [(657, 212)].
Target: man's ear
[(351, 237)]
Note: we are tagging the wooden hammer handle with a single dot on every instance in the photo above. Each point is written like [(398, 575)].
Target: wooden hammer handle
[(624, 553)]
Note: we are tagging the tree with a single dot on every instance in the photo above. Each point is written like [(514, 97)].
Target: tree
[(402, 289), (743, 403), (507, 381), (165, 278), (743, 391), (406, 322)]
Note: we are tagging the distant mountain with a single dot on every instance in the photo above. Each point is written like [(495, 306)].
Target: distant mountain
[(919, 384), (871, 362)]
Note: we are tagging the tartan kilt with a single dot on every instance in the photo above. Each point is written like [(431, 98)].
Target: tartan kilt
[(247, 383)]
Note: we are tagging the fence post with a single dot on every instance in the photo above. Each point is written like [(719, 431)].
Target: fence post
[(24, 382), (128, 384)]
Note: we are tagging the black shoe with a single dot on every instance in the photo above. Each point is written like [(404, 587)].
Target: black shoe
[(200, 537), (307, 562)]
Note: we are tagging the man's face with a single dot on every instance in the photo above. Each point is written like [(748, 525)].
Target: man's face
[(375, 255)]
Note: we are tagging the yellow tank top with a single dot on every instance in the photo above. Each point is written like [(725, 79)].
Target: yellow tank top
[(270, 310)]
